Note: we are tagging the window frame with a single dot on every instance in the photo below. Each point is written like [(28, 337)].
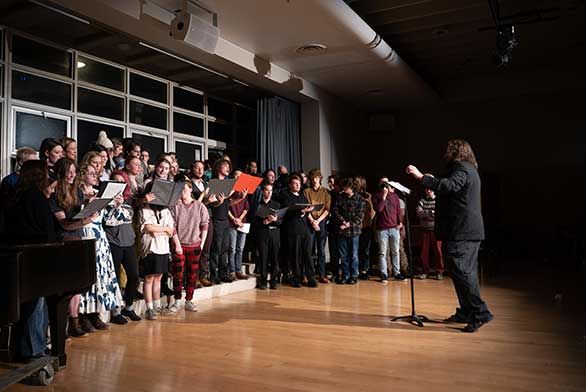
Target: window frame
[(19, 109)]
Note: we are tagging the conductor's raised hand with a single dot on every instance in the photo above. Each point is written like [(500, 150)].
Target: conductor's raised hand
[(414, 171)]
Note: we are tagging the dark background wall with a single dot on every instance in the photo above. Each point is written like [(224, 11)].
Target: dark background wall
[(531, 151)]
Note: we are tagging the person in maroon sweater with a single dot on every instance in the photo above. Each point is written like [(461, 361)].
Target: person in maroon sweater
[(388, 223)]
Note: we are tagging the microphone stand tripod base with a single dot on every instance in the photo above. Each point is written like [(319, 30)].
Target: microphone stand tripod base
[(413, 319)]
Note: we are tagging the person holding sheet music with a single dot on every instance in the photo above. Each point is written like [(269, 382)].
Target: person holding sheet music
[(191, 227), (104, 295), (268, 238), (298, 256), (121, 237), (161, 172), (237, 234), (156, 227), (200, 185), (65, 203)]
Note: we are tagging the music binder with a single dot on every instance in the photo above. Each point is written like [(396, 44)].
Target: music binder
[(94, 206), (167, 193)]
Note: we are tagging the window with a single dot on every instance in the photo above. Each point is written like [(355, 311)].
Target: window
[(99, 104), (189, 125), (87, 134), (187, 153), (220, 131), (150, 116), (100, 74), (36, 55), (144, 87), (41, 90), (32, 127), (153, 144), (220, 109), (187, 100)]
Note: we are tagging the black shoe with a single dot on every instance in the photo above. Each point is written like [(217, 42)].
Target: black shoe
[(261, 286), (273, 285), (363, 276), (457, 318), (351, 281), (473, 326), (226, 279), (216, 281), (294, 283), (399, 277), (131, 314), (118, 319), (311, 282), (339, 280)]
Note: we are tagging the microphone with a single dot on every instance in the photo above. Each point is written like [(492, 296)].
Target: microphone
[(399, 187)]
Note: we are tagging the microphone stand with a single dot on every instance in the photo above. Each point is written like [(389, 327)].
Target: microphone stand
[(413, 318)]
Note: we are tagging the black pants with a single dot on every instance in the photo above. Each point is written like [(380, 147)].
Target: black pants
[(461, 259), (219, 252), (204, 260), (364, 249), (334, 249), (126, 256), (299, 254), (268, 244)]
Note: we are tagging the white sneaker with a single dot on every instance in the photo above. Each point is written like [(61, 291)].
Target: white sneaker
[(150, 314), (190, 306), (174, 307), (162, 311)]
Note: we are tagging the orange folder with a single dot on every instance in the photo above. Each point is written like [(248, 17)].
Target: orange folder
[(246, 181)]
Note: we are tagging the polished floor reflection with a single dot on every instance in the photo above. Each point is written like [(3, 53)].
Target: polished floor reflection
[(336, 338)]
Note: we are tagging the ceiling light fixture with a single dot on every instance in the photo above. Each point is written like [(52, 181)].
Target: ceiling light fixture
[(312, 49), (80, 64)]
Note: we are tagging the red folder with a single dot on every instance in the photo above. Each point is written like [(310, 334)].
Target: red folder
[(246, 181)]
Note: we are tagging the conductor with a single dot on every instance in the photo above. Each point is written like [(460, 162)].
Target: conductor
[(460, 226)]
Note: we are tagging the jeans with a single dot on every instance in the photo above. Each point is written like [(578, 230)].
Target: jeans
[(34, 320), (462, 261), (385, 238), (349, 255), (320, 238), (237, 239)]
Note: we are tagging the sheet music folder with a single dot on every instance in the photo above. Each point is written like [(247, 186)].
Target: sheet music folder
[(167, 193)]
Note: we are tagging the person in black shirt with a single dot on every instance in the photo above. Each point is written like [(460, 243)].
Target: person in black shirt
[(298, 235), (267, 236), (459, 224)]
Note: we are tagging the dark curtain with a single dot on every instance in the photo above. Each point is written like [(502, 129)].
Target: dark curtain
[(278, 134)]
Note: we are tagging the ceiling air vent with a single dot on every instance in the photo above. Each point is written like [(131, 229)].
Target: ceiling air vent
[(311, 49)]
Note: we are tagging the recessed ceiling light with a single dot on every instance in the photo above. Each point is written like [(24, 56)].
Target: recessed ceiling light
[(312, 49), (80, 64)]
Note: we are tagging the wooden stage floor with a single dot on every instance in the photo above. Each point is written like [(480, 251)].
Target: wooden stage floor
[(336, 338)]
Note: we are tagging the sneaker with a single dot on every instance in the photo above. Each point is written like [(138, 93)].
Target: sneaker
[(174, 308), (351, 281), (190, 306), (162, 311), (118, 319), (439, 277), (130, 314), (150, 314), (421, 276), (399, 277), (363, 276), (384, 279)]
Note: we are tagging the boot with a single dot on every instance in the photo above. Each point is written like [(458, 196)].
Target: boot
[(86, 324), (73, 328), (97, 322)]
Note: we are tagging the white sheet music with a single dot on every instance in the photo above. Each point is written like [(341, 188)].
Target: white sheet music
[(113, 189)]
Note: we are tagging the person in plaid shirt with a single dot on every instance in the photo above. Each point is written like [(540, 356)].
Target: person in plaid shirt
[(347, 214)]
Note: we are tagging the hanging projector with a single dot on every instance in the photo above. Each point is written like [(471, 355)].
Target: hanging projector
[(195, 31)]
